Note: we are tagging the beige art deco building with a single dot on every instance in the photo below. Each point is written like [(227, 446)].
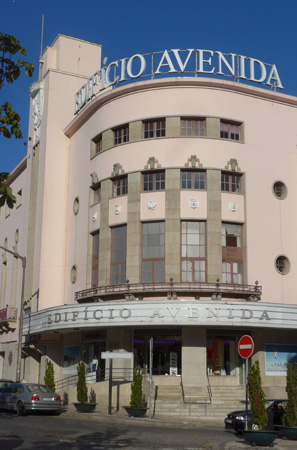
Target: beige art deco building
[(153, 209)]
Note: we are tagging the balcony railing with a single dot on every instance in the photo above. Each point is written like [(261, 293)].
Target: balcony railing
[(172, 290), (8, 319)]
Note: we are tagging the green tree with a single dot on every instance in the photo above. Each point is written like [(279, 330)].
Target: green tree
[(291, 388), (10, 70), (136, 389), (81, 386), (49, 377), (256, 396)]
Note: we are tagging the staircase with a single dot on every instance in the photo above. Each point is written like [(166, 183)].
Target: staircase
[(169, 401)]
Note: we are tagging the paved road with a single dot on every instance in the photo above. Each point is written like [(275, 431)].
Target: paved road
[(98, 431)]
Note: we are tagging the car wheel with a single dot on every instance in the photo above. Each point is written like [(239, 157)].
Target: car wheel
[(21, 411)]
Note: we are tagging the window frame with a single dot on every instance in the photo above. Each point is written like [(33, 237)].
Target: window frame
[(190, 125), (229, 133), (230, 183), (157, 185), (190, 180), (120, 186), (121, 134), (187, 246), (157, 263), (95, 258), (96, 193), (118, 276), (154, 128)]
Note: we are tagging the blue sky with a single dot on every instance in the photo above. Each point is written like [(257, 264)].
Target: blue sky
[(262, 29)]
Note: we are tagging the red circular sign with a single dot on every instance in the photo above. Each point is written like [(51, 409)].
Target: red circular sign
[(245, 346)]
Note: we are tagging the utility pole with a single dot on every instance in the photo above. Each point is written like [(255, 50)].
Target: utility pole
[(20, 334)]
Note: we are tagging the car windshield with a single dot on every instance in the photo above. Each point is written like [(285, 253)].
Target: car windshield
[(39, 388)]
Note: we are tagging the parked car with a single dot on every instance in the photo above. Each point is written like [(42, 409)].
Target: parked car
[(274, 408), (24, 397), (4, 384)]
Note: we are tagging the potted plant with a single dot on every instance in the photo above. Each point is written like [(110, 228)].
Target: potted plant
[(289, 427), (257, 402), (82, 390), (49, 377), (137, 406)]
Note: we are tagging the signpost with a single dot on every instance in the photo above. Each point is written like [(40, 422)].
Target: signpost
[(245, 350)]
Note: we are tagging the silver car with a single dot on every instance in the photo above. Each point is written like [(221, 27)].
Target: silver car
[(24, 397)]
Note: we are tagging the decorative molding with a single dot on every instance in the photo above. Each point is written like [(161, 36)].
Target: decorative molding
[(152, 204), (117, 170), (117, 209), (94, 178), (233, 206), (94, 216), (193, 203), (152, 163), (233, 165), (37, 95), (193, 161)]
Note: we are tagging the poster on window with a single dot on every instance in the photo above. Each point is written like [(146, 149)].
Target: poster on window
[(70, 359), (277, 356)]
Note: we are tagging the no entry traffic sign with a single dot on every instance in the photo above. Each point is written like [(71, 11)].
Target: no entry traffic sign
[(245, 346)]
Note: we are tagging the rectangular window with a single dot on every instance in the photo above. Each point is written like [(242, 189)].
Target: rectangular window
[(153, 252), (154, 128), (193, 252), (120, 186), (232, 253), (95, 258), (229, 130), (96, 193), (153, 181), (121, 135), (98, 144), (231, 183), (19, 198), (118, 254), (193, 127), (191, 179)]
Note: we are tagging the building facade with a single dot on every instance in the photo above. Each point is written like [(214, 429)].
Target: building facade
[(162, 212)]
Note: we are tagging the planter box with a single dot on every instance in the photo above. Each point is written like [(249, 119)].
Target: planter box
[(135, 412), (287, 432), (261, 438), (85, 407)]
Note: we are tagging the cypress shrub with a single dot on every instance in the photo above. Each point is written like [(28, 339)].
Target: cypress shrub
[(81, 386), (49, 377), (256, 396), (291, 388), (136, 389)]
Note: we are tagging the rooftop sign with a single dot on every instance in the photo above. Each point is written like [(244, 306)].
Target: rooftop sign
[(190, 61)]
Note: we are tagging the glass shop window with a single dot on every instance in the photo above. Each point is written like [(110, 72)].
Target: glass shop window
[(220, 355)]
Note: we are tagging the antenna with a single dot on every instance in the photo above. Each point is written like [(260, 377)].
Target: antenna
[(40, 60)]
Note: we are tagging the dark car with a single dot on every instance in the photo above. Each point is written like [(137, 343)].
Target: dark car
[(24, 397), (275, 409), (4, 384)]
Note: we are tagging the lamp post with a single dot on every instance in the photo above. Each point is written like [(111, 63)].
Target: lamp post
[(20, 335)]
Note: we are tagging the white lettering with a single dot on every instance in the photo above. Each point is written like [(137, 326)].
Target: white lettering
[(202, 61), (242, 67), (273, 75), (142, 66), (172, 312), (74, 316), (95, 314), (156, 314), (169, 63), (212, 313), (246, 313), (179, 61), (116, 78), (252, 70), (224, 60), (193, 313)]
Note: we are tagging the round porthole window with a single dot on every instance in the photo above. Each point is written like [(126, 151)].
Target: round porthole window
[(76, 206), (280, 190), (73, 274), (282, 264)]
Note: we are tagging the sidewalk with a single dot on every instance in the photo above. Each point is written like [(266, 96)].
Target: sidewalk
[(236, 441)]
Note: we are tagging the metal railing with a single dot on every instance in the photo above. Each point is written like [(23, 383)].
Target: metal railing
[(8, 313), (123, 375), (197, 399), (240, 291)]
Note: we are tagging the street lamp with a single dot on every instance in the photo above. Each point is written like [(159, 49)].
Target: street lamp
[(20, 335)]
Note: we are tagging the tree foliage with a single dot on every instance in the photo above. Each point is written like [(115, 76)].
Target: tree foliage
[(136, 389), (11, 66), (291, 389), (81, 386), (49, 377), (256, 396)]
